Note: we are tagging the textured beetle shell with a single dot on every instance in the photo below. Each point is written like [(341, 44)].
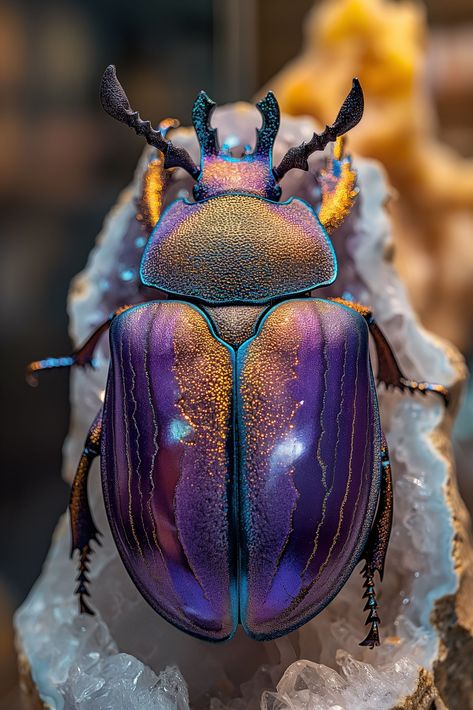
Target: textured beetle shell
[(238, 248), (167, 465), (300, 503), (222, 173), (310, 461)]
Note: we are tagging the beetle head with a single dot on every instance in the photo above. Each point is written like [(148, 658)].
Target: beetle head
[(221, 172), (236, 243)]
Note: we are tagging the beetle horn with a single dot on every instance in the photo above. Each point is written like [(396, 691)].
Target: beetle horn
[(266, 135), (348, 116), (116, 104), (201, 113)]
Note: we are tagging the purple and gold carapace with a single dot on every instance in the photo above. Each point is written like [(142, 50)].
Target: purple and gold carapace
[(300, 477), (167, 463), (310, 443), (244, 469), (238, 248)]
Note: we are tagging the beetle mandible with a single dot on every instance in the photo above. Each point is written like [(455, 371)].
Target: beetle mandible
[(243, 464)]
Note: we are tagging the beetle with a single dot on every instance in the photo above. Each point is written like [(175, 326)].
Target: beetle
[(244, 468)]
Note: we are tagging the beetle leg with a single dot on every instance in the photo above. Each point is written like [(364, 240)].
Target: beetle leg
[(389, 372), (83, 529), (82, 357), (376, 547)]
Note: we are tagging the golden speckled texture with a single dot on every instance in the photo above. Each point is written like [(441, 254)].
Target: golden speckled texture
[(337, 202), (238, 248), (206, 389), (268, 409), (151, 203), (235, 324), (224, 174)]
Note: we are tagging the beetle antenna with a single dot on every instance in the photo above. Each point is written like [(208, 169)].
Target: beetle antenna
[(266, 135), (348, 116), (115, 102)]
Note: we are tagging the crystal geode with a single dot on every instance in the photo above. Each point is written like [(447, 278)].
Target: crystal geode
[(128, 657)]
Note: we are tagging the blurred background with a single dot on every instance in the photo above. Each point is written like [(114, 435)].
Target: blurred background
[(63, 162)]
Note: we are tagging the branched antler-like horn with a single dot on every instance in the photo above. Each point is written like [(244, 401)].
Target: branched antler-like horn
[(266, 135), (201, 113), (116, 104), (348, 116)]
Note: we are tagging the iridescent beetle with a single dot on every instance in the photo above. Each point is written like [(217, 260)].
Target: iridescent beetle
[(244, 468)]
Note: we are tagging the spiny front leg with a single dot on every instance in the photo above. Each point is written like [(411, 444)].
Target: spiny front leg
[(82, 357), (83, 529), (376, 548), (389, 372)]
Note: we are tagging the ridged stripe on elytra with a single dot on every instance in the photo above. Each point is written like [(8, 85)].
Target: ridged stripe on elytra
[(347, 487), (332, 500), (136, 447), (205, 404), (123, 528), (155, 439), (176, 367), (334, 467), (127, 453), (322, 463), (307, 588), (150, 567), (360, 490)]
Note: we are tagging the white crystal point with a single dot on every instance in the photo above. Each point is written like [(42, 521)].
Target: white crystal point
[(127, 656), (312, 686)]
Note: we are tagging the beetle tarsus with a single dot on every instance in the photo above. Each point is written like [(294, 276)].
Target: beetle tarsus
[(49, 363), (423, 388), (372, 639), (83, 528), (84, 608), (83, 579), (53, 363), (377, 546)]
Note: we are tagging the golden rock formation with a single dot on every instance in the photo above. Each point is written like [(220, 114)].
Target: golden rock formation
[(384, 44)]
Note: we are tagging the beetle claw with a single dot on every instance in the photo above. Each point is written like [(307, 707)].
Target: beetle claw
[(84, 608), (31, 379), (423, 388), (82, 577), (372, 638), (31, 376)]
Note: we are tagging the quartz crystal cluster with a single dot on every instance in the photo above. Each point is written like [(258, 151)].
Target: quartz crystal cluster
[(126, 656)]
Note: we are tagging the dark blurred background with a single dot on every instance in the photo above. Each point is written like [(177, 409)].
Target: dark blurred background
[(62, 164)]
